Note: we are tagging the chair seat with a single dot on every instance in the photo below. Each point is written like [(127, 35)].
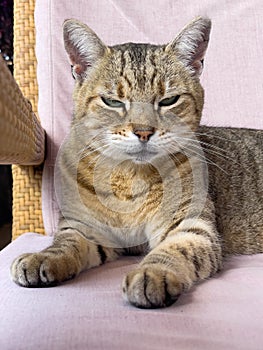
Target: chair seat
[(88, 312)]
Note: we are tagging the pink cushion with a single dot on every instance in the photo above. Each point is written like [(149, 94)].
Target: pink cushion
[(88, 312), (232, 76)]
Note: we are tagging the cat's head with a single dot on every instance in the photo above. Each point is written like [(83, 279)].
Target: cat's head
[(138, 99)]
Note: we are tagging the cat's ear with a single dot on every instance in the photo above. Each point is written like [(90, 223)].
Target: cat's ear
[(83, 47), (191, 43)]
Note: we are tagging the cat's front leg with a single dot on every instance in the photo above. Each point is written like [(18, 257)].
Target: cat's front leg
[(69, 254), (182, 259)]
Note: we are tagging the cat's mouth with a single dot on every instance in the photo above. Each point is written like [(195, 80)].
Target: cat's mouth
[(143, 156)]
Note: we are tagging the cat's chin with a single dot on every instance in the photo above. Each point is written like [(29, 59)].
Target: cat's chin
[(140, 161), (143, 157)]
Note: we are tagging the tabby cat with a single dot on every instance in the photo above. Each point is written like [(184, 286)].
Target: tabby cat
[(132, 177)]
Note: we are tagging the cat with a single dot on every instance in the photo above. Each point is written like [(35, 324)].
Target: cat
[(139, 175)]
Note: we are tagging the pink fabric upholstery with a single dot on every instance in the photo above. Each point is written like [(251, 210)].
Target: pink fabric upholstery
[(225, 312), (232, 76)]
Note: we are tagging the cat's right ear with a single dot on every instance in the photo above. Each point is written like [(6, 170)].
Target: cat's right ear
[(83, 47)]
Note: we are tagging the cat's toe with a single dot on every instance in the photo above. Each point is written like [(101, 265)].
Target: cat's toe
[(34, 270), (148, 287)]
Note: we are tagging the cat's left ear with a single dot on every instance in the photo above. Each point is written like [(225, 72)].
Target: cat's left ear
[(191, 43)]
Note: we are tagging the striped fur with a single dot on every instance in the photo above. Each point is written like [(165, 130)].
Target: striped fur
[(141, 175)]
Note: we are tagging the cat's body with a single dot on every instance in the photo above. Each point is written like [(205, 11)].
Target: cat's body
[(235, 161), (148, 178)]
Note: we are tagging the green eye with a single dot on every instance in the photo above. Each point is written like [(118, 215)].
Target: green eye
[(169, 101), (112, 103)]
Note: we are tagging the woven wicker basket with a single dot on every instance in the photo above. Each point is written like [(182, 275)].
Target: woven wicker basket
[(23, 141)]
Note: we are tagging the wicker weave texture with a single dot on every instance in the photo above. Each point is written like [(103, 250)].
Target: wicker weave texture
[(25, 63), (22, 137), (26, 179), (27, 214)]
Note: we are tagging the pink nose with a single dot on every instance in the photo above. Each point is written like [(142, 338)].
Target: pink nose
[(144, 135)]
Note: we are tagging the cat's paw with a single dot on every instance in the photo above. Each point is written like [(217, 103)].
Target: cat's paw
[(151, 287), (41, 270)]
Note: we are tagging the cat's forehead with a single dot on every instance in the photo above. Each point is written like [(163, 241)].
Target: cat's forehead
[(139, 68), (137, 54), (137, 48)]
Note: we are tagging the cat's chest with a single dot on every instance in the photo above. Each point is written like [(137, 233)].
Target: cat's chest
[(118, 186)]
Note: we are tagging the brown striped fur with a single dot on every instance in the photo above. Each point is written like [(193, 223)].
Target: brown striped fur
[(142, 175)]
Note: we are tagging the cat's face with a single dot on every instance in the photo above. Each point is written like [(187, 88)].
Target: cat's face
[(138, 101)]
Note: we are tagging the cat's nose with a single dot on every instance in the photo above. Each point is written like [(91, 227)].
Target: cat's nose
[(144, 134)]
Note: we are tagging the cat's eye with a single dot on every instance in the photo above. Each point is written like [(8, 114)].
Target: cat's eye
[(169, 101), (112, 103)]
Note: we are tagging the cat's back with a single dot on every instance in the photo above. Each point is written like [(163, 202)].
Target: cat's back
[(235, 163)]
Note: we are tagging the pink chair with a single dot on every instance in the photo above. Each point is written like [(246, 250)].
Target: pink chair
[(88, 312)]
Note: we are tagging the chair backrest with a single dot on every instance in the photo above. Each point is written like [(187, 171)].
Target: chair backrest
[(27, 212), (232, 77)]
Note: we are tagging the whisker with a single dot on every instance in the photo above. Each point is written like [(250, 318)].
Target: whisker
[(93, 151), (94, 140), (209, 135), (206, 149), (209, 148), (220, 154), (199, 156), (202, 143)]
